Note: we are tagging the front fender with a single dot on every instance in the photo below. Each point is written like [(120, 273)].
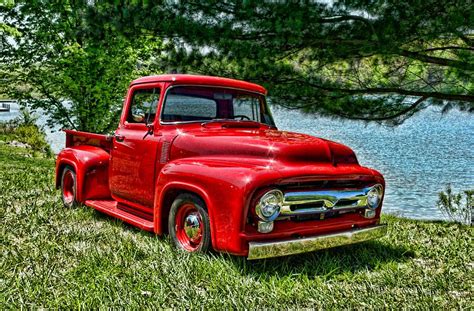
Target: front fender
[(225, 185), (91, 166)]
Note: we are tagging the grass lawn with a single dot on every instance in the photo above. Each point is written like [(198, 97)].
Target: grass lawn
[(54, 257)]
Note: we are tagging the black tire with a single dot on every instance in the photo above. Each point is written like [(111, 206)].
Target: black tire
[(69, 187), (189, 207)]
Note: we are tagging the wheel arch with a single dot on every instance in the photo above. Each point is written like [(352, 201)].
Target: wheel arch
[(60, 168), (165, 199)]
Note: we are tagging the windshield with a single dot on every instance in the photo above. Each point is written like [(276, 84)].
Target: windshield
[(199, 103)]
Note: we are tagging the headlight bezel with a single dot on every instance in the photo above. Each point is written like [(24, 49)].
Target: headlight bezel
[(376, 189), (259, 207)]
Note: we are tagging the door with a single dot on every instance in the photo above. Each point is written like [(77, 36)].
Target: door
[(133, 156)]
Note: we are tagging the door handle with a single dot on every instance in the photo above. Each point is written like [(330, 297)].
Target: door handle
[(119, 138)]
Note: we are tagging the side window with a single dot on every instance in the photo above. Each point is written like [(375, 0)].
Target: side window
[(247, 107), (143, 106)]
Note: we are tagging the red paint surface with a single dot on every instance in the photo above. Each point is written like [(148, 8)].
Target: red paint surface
[(226, 163)]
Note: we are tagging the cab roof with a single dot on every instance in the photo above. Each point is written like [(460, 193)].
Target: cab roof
[(202, 80)]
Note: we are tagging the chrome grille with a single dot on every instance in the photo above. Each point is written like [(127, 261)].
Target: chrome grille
[(321, 201)]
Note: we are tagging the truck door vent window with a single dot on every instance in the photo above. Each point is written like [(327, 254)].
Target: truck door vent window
[(143, 106)]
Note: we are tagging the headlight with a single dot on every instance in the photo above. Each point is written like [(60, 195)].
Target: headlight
[(268, 207), (374, 196)]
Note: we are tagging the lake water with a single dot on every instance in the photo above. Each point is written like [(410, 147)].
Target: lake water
[(417, 158)]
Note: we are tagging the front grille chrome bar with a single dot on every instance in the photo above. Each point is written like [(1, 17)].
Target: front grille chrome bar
[(310, 202)]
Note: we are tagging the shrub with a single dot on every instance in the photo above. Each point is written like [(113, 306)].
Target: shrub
[(24, 129), (457, 206), (33, 136)]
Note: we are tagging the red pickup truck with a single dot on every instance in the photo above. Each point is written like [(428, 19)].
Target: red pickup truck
[(200, 158)]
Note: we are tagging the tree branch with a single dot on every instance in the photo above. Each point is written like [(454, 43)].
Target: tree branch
[(55, 102), (342, 18), (387, 90), (446, 48), (390, 117), (437, 60)]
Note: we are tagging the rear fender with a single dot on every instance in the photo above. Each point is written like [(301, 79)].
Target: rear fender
[(90, 164)]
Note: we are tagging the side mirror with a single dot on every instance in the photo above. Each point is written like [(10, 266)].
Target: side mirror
[(149, 130)]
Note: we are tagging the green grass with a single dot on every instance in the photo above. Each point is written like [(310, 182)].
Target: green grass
[(54, 257)]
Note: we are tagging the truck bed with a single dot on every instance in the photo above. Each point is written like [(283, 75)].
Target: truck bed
[(77, 138)]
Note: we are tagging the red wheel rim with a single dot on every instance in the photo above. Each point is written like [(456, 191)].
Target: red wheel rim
[(189, 227), (68, 187)]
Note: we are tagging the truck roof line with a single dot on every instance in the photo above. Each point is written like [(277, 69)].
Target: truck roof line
[(202, 80)]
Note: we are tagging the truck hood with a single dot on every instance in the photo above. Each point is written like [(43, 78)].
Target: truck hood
[(259, 144)]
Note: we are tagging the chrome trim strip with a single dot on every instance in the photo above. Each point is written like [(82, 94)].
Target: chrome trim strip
[(260, 250), (329, 199)]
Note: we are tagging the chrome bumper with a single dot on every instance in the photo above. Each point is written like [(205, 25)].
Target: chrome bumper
[(260, 250)]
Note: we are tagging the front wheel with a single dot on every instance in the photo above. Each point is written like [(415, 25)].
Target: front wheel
[(188, 224), (68, 187)]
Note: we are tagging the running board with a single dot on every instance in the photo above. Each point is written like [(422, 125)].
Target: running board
[(109, 207)]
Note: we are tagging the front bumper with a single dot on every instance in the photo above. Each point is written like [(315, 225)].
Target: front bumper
[(260, 250)]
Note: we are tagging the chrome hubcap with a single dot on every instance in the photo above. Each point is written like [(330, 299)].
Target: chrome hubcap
[(192, 226)]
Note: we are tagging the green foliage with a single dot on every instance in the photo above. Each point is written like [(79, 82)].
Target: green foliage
[(23, 129), (57, 258), (367, 60), (32, 136), (26, 118), (377, 61), (458, 207), (73, 67)]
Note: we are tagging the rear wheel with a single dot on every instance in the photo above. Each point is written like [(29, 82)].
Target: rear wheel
[(68, 187), (188, 224)]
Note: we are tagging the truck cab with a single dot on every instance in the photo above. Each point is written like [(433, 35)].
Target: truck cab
[(200, 158)]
